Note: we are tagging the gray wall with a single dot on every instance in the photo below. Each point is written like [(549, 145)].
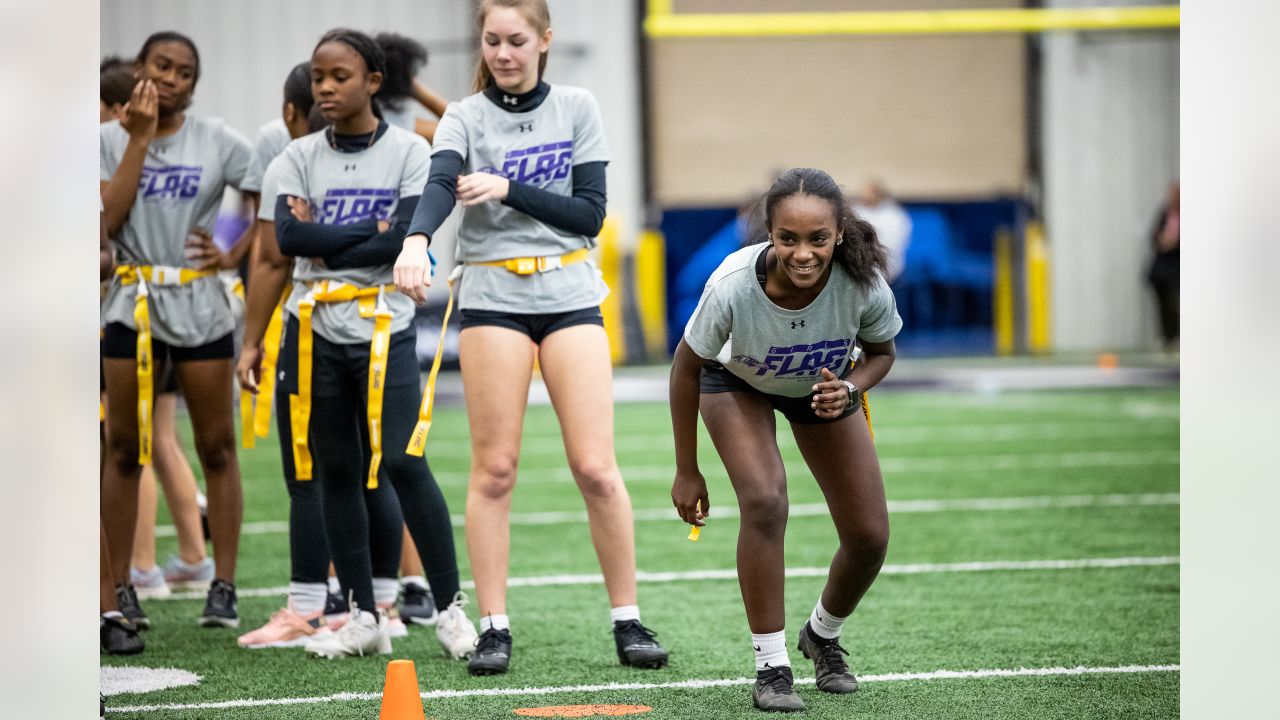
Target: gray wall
[(1110, 144)]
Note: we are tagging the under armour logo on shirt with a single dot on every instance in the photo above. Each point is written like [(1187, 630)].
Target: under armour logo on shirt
[(526, 127), (509, 100), (352, 166), (796, 323)]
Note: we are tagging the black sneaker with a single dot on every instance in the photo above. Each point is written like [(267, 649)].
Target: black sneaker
[(774, 690), (335, 604), (127, 600), (417, 604), (220, 606), (119, 636), (493, 653), (638, 645), (829, 668)]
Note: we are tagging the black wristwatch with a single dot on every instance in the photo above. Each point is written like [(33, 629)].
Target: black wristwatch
[(853, 391)]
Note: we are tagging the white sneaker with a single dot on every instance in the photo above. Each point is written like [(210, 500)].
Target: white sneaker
[(364, 633), (395, 626), (149, 584), (454, 629)]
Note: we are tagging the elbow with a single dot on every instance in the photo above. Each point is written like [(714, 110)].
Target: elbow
[(597, 222)]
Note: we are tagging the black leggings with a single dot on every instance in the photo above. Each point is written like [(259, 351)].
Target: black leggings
[(308, 550), (338, 418)]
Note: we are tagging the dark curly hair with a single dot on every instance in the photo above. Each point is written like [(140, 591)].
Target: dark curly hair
[(405, 58)]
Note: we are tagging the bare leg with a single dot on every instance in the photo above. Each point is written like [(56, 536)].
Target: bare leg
[(121, 470), (410, 562), (178, 481), (576, 367), (144, 533), (742, 427), (206, 384), (497, 365), (106, 584)]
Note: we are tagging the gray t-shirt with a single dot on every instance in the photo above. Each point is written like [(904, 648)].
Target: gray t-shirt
[(271, 141), (183, 178), (780, 351), (345, 188), (540, 148)]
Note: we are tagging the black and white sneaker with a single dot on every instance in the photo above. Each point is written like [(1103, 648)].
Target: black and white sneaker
[(774, 690), (119, 636), (127, 600), (220, 606), (829, 668), (493, 653), (417, 604), (638, 645)]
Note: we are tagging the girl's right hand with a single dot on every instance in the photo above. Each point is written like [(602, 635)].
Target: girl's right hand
[(141, 113), (249, 367), (413, 268), (689, 495)]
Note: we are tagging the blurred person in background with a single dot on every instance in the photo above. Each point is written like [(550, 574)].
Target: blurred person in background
[(1164, 271), (401, 89), (163, 176), (892, 224), (527, 160), (785, 313)]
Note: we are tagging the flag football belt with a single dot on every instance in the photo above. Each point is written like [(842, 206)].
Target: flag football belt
[(519, 266), (141, 275), (371, 304), (255, 411)]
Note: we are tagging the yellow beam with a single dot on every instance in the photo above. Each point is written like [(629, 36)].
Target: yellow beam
[(662, 24)]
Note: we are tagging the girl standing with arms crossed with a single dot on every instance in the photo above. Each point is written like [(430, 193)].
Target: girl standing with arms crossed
[(354, 392), (534, 200), (782, 316), (163, 176)]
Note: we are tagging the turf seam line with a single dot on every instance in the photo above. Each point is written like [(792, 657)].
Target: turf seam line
[(683, 684), (732, 574)]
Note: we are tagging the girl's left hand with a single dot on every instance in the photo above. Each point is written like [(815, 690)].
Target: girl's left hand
[(481, 187), (830, 397)]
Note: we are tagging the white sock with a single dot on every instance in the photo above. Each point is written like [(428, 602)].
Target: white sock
[(771, 650), (307, 598), (494, 622), (334, 586), (113, 614), (824, 624), (624, 612), (414, 580), (385, 590)]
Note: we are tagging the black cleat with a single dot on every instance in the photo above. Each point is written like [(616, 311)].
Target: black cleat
[(335, 604), (127, 599), (417, 605), (119, 636), (774, 691), (829, 668), (638, 645), (493, 653), (220, 606)]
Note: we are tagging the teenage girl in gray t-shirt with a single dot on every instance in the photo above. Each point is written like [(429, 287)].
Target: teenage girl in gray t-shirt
[(533, 197), (163, 175), (775, 330)]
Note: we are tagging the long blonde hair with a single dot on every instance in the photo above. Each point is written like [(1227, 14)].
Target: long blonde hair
[(535, 12)]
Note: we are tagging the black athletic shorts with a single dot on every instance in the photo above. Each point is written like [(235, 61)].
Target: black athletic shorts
[(120, 342), (334, 366), (716, 379), (536, 326)]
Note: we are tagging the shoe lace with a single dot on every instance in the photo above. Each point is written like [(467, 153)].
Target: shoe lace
[(829, 655), (777, 679), (490, 640), (632, 632)]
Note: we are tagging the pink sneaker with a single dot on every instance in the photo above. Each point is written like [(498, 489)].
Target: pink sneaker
[(286, 628), (395, 626)]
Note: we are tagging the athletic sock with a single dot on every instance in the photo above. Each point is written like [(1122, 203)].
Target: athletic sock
[(307, 598), (110, 614), (385, 590), (414, 580), (824, 624), (335, 587), (494, 622), (771, 650), (624, 612)]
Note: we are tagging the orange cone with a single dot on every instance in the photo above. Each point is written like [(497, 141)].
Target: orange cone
[(401, 699)]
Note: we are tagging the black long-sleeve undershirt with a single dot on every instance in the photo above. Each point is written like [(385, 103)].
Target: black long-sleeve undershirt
[(312, 239), (383, 247)]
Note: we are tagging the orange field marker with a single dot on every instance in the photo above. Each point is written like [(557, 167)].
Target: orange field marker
[(401, 699)]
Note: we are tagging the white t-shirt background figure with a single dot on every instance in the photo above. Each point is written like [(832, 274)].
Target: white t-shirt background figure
[(892, 224)]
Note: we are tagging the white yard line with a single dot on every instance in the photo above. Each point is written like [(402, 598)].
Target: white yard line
[(731, 574), (560, 517), (682, 685)]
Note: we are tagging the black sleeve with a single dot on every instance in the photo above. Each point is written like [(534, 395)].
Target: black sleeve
[(312, 239), (380, 249), (580, 214), (440, 194)]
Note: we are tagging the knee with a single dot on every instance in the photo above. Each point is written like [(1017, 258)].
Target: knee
[(869, 542), (217, 453), (494, 477), (122, 452), (597, 479), (764, 511)]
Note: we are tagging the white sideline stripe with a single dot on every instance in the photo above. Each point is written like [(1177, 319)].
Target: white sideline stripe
[(557, 517), (679, 685), (731, 574)]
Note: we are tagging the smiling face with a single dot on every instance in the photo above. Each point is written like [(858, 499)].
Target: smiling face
[(341, 82), (804, 231), (172, 67), (512, 47)]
